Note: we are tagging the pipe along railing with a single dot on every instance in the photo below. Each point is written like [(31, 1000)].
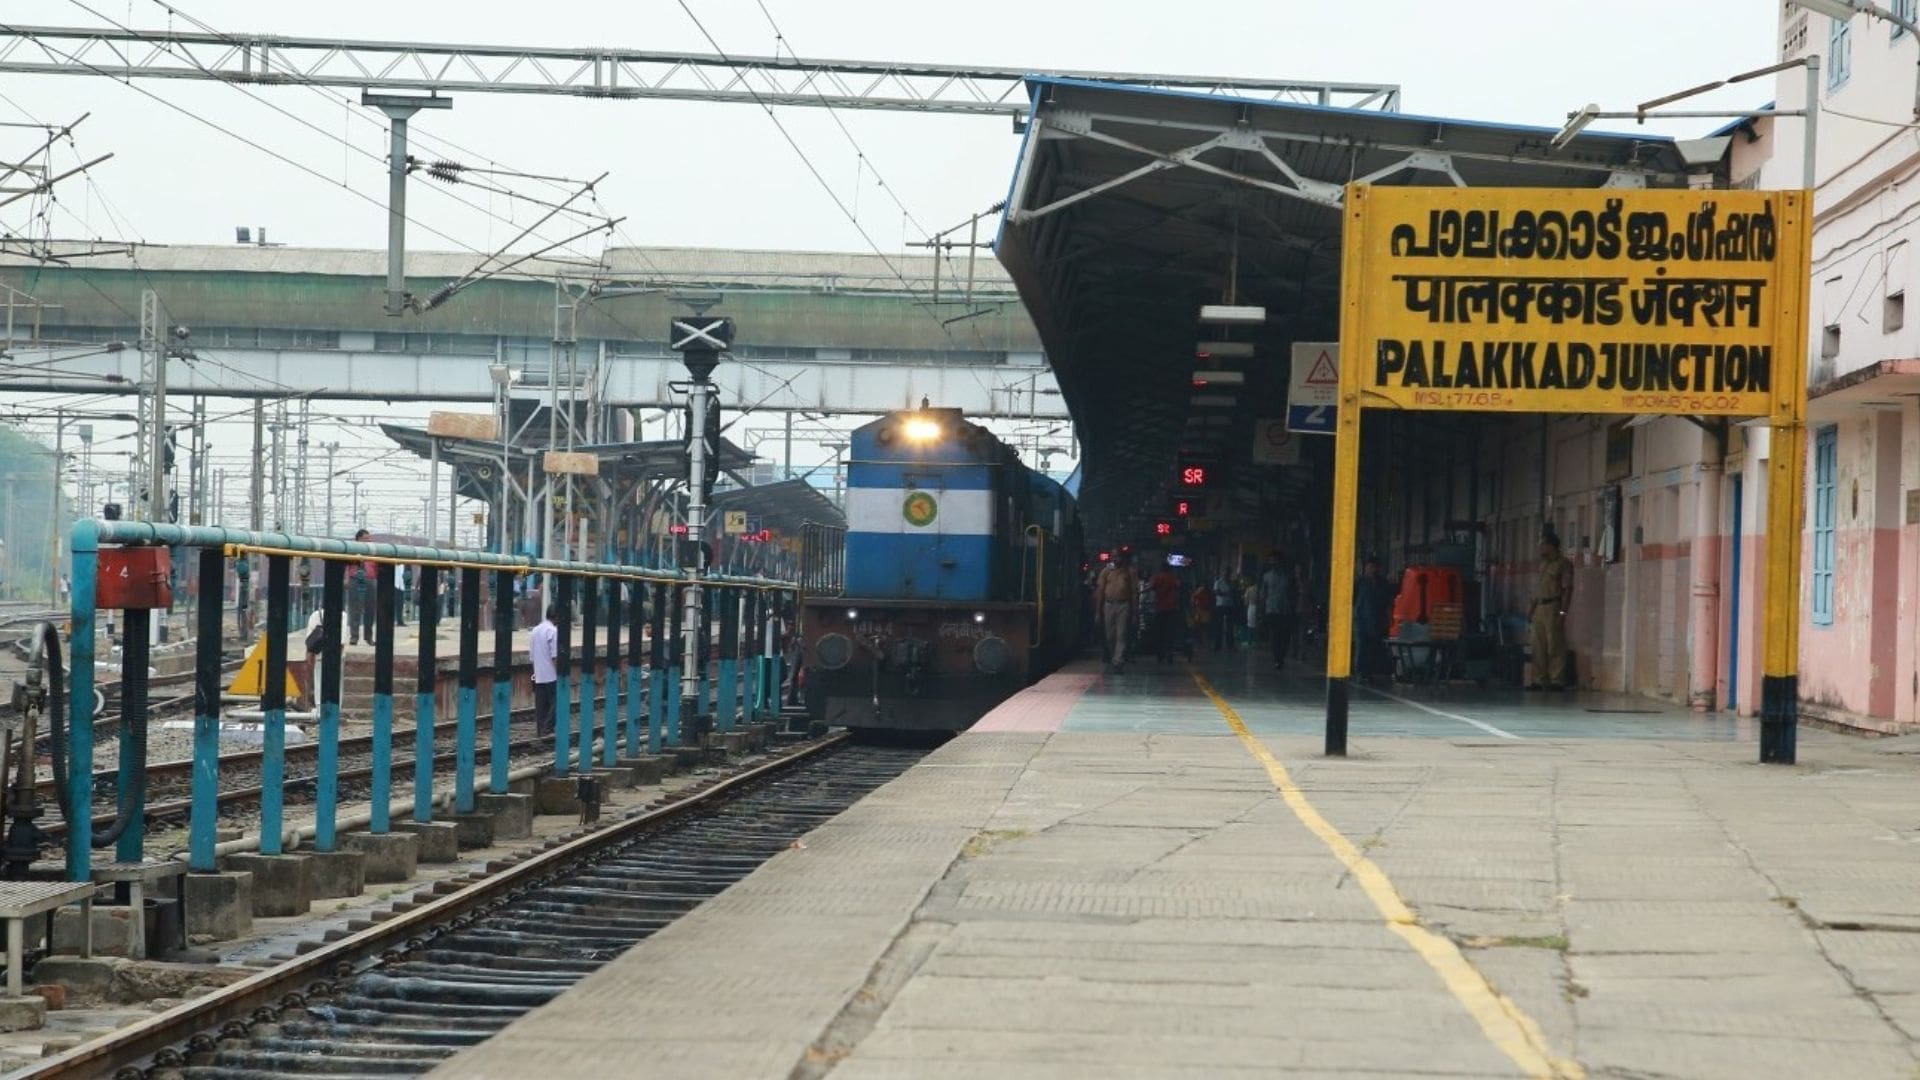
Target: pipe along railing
[(734, 604)]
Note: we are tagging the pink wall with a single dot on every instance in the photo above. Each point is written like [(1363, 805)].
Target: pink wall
[(1851, 663)]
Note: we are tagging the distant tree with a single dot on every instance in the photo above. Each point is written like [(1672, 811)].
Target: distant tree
[(26, 501)]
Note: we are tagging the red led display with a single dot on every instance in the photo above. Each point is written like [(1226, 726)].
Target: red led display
[(1193, 476), (1163, 528)]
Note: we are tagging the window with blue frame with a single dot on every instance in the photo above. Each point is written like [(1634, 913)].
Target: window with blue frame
[(1839, 52), (1826, 449), (1904, 9)]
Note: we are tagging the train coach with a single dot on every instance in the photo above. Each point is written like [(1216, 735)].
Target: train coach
[(957, 584)]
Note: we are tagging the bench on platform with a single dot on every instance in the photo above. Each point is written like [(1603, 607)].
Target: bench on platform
[(22, 900)]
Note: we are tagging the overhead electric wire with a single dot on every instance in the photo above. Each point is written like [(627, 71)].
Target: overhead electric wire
[(794, 144), (254, 144), (331, 96)]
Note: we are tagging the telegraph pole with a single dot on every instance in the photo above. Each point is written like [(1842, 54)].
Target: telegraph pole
[(331, 448), (399, 109), (699, 339)]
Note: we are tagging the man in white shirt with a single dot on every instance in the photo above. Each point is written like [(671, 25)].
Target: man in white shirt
[(545, 649)]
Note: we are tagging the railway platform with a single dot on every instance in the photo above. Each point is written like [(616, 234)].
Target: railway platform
[(1158, 874)]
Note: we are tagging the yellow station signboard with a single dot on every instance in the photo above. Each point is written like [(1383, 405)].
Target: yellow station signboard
[(1575, 301)]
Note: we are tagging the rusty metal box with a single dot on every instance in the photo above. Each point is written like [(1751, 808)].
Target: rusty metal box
[(135, 577)]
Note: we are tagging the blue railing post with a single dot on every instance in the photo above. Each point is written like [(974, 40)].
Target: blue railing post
[(676, 669), (727, 684), (562, 676), (502, 679), (636, 627), (85, 549), (273, 705), (382, 784), (750, 656), (135, 654), (610, 718), (657, 671), (589, 655), (326, 793), (426, 688), (468, 706), (203, 825)]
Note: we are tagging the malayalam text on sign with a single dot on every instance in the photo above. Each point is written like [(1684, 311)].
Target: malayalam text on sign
[(1594, 301)]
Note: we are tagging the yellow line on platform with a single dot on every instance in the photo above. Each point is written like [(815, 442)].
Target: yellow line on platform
[(1504, 1022)]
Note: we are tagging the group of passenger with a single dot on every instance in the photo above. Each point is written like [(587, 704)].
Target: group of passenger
[(1224, 611), (1161, 615)]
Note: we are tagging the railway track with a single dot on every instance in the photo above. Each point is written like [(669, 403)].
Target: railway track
[(401, 997), (239, 775)]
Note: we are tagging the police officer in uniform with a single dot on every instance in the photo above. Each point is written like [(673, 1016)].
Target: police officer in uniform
[(1552, 591)]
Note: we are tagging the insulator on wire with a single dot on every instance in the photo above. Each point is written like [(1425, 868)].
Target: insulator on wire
[(447, 172)]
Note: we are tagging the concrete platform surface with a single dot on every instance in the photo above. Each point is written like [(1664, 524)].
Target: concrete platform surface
[(1203, 894)]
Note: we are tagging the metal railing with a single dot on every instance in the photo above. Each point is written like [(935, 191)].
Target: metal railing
[(750, 614)]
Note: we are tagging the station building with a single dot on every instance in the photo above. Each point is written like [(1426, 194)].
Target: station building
[(1860, 655), (1132, 209)]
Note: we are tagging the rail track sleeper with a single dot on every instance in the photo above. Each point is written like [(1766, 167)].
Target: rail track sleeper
[(310, 1063), (389, 1033), (378, 1010)]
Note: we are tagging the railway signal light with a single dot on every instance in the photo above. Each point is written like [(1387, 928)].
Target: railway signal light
[(710, 435)]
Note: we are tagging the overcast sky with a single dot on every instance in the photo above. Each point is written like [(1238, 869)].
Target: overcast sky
[(697, 174)]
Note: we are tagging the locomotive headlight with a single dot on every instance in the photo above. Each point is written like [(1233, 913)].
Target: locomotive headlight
[(920, 429), (853, 614), (979, 618)]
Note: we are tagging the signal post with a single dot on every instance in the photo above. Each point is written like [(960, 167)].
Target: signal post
[(699, 339)]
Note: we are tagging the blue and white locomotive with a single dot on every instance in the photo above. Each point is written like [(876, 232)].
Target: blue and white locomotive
[(960, 580)]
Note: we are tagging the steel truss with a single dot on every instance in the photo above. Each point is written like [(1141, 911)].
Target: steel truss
[(270, 59)]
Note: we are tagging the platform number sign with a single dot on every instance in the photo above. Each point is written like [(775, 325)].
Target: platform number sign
[(1313, 387)]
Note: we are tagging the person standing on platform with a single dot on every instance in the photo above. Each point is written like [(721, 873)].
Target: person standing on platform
[(544, 649), (404, 583), (1118, 587), (1226, 620), (1203, 611), (1372, 605), (1164, 586), (1278, 604), (360, 595), (1552, 589), (305, 671)]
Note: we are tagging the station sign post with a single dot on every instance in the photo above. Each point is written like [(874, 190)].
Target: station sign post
[(1546, 300)]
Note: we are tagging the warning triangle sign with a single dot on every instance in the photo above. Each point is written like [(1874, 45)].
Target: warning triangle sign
[(1323, 373), (252, 680)]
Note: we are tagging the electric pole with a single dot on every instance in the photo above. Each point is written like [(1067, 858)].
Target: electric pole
[(331, 448)]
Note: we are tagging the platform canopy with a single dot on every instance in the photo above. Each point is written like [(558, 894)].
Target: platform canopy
[(783, 506), (1131, 208), (476, 463)]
